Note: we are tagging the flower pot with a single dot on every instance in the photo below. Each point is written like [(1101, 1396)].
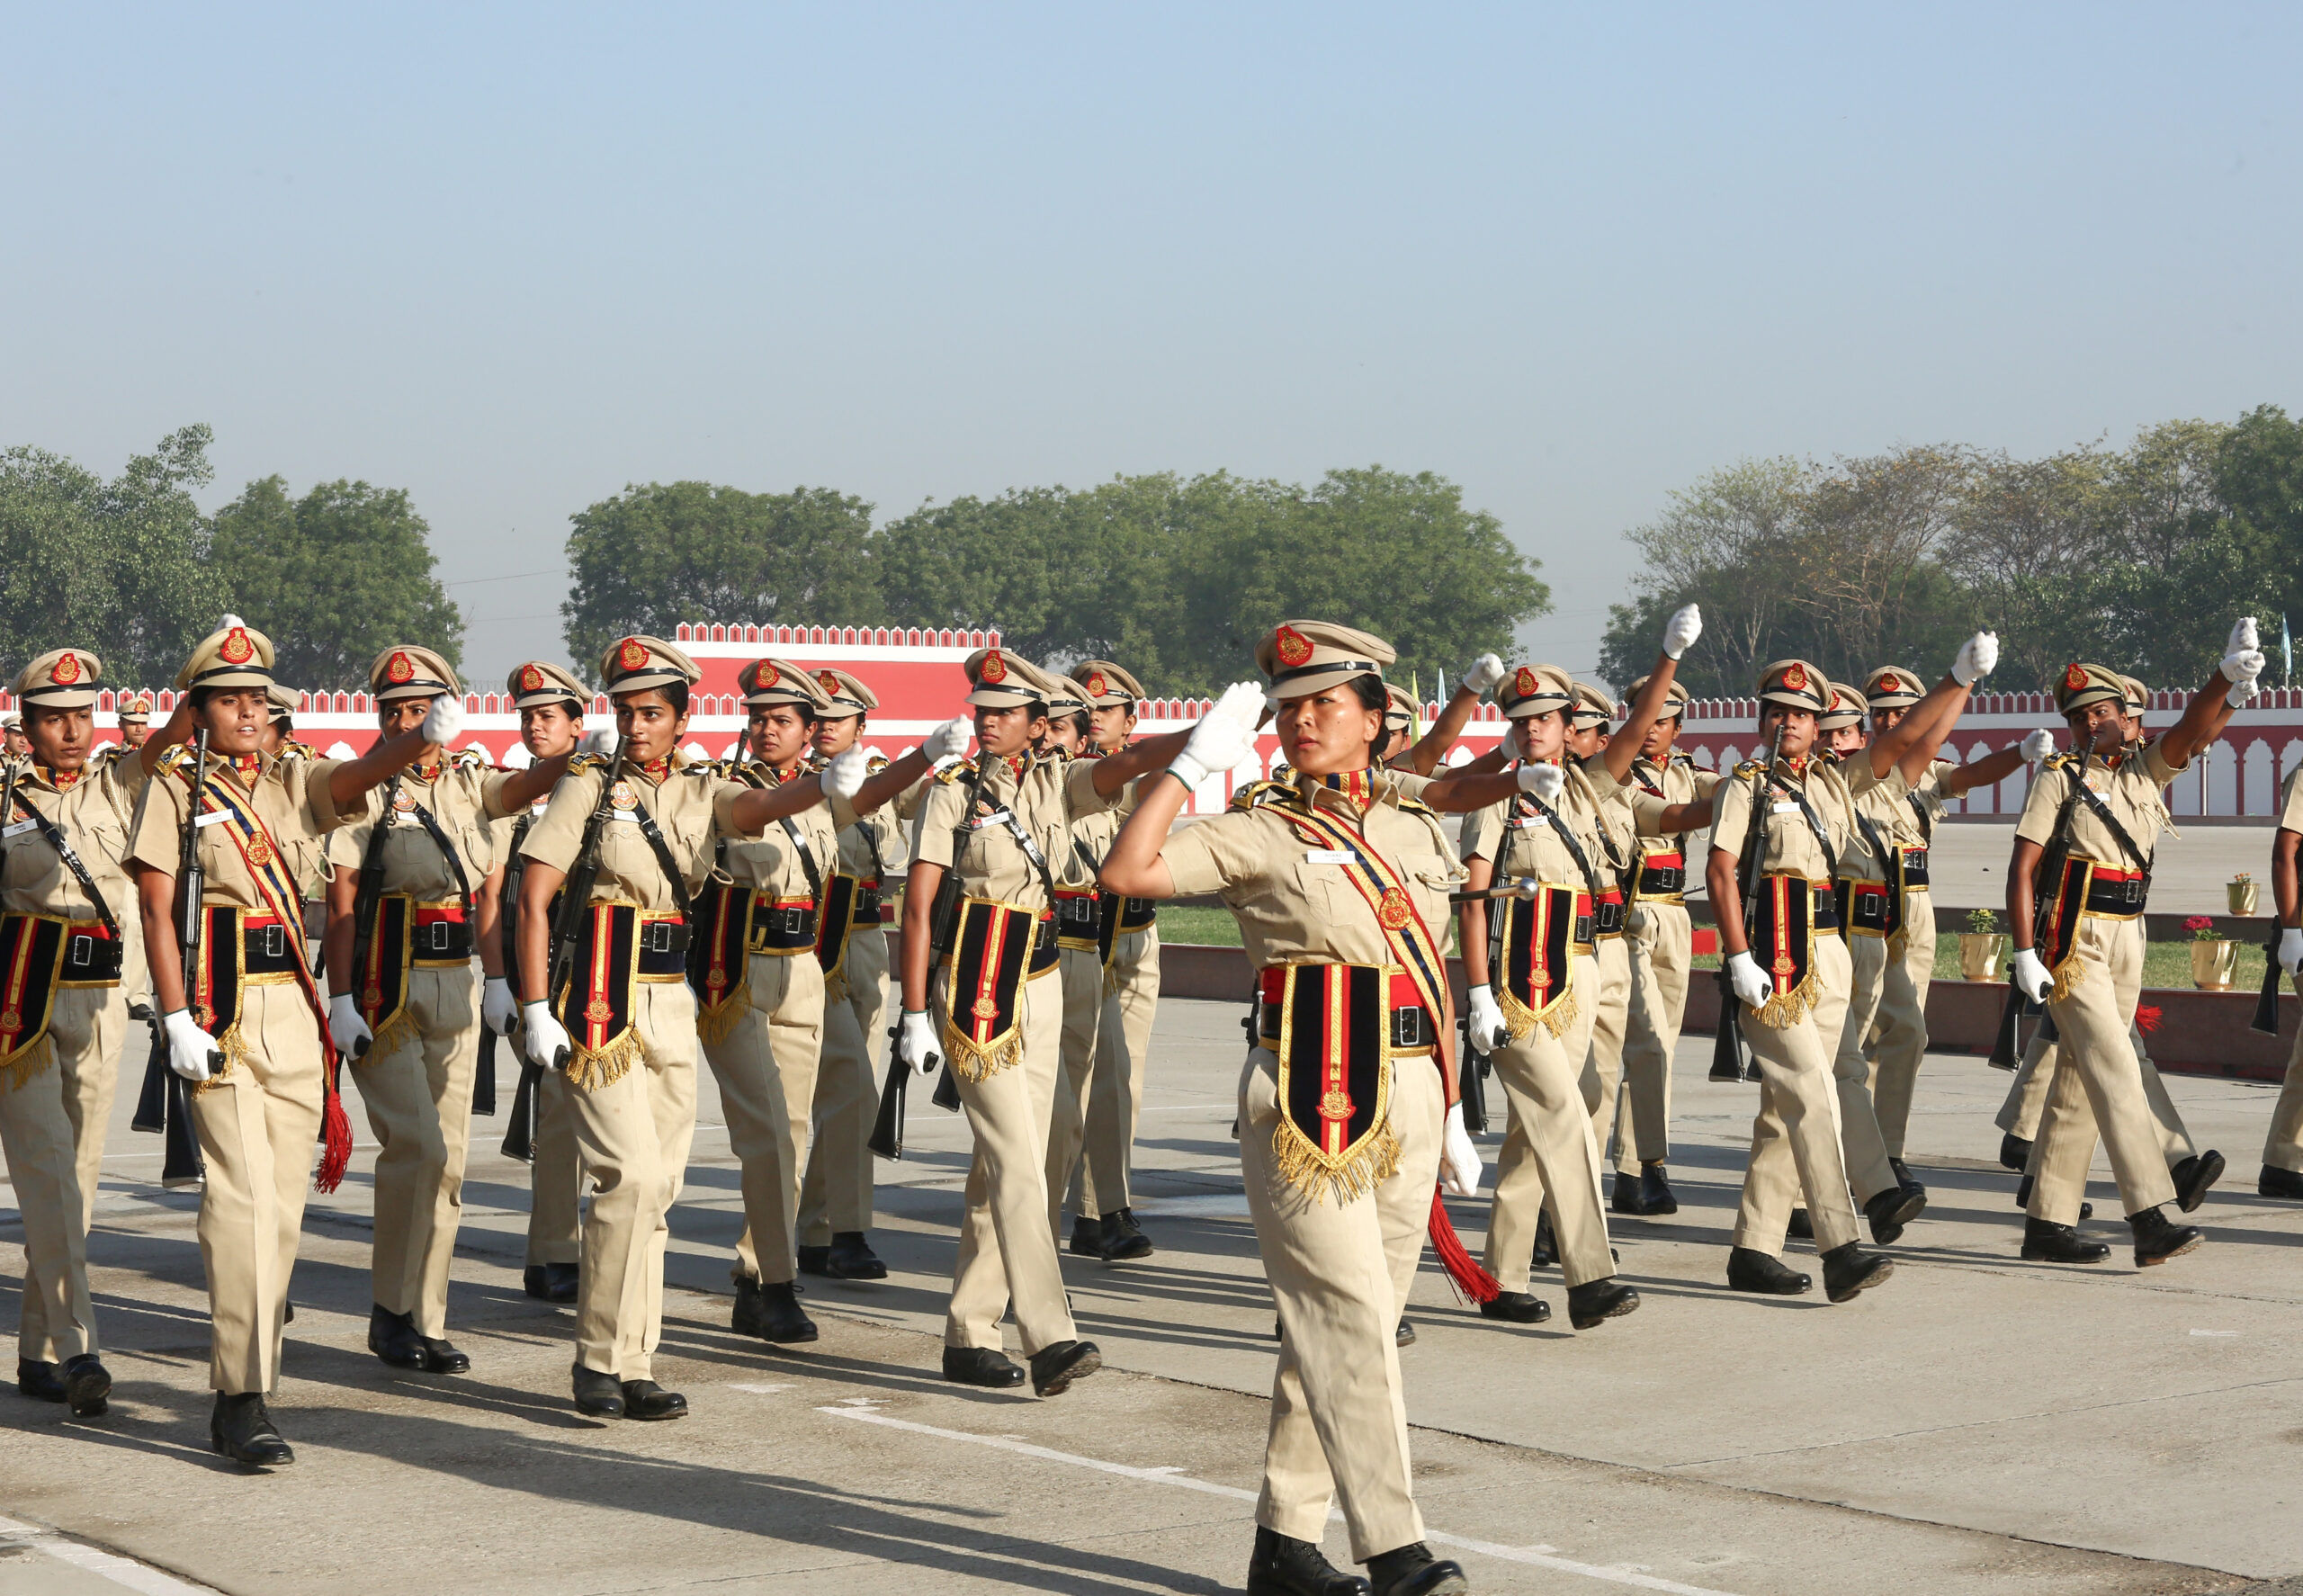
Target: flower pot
[(2212, 963), (2242, 897), (1979, 954)]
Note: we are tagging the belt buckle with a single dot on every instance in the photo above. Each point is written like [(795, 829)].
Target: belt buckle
[(275, 941), (2131, 889), (792, 920), (83, 950), (656, 936), (1407, 1027)]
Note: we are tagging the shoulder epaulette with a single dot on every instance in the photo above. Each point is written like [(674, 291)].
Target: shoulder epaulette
[(1751, 767), (175, 754), (875, 764), (948, 775), (577, 762), (2062, 761), (1256, 794), (472, 758)]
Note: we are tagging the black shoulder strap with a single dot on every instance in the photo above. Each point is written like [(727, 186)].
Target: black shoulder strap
[(1031, 851), (807, 859), (2103, 811), (1814, 823), (1926, 820), (54, 833), (1567, 840), (447, 850), (673, 876)]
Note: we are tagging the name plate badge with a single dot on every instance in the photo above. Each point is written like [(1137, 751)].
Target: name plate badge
[(1327, 856), (19, 829)]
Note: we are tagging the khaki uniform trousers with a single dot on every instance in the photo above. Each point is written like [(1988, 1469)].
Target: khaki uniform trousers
[(555, 1178), (419, 1104), (1603, 1070), (258, 1125), (2027, 1099), (1898, 1039), (836, 1195), (633, 1135), (1006, 1250), (1550, 1157), (2098, 1084), (1862, 1142), (1661, 942), (1080, 973), (1341, 1273), (765, 1066), (1795, 1138), (1115, 1091), (2283, 1147), (52, 1134)]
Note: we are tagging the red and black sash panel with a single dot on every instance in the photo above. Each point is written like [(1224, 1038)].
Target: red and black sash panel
[(1792, 909), (1606, 914), (1535, 941), (1079, 921), (93, 955), (1335, 1073), (32, 960), (993, 952), (2115, 894), (1046, 949), (383, 985), (1138, 914), (1409, 1026), (1662, 874), (1914, 867), (439, 934), (597, 1004), (723, 920), (841, 910), (2086, 888), (1865, 907)]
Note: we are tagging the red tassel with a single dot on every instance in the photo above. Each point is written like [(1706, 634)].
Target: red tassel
[(1463, 1270), (336, 1133), (2147, 1018)]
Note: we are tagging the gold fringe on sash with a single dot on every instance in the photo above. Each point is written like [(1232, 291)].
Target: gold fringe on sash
[(973, 1063), (2067, 974), (715, 1021), (1786, 1010), (836, 985), (1520, 1020), (397, 1030), (1302, 1164), (26, 1063), (236, 1050), (589, 1071)]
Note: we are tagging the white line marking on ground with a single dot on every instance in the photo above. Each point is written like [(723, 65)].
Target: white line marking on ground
[(757, 1390), (124, 1571), (1535, 1556), (2215, 1332), (1188, 1107)]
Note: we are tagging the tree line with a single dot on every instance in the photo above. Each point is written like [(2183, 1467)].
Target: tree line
[(2134, 556)]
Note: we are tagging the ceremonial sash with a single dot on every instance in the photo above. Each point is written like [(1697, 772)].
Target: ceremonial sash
[(724, 918), (1335, 1043), (1784, 943), (1867, 908), (1663, 877), (392, 951), (983, 986), (836, 923), (2088, 888), (32, 959), (1078, 925), (617, 946), (1535, 939)]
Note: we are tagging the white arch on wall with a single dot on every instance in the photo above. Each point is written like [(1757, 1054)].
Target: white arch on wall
[(2289, 757), (2262, 783), (2183, 793), (1982, 800)]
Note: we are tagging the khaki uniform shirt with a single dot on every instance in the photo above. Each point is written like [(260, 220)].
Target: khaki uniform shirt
[(1047, 798), (2291, 801), (291, 797), (94, 813), (2132, 791), (457, 793), (1520, 842), (690, 803), (1655, 788), (771, 863), (1792, 847)]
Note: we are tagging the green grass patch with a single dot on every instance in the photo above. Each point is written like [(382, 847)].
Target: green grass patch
[(2165, 963)]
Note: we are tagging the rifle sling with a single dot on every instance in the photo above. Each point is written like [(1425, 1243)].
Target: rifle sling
[(70, 856)]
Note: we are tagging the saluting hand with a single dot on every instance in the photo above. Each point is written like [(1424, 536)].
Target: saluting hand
[(1977, 659), (1223, 737), (1542, 781), (1682, 630), (1485, 672)]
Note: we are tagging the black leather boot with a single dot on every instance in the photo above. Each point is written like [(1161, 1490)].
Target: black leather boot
[(850, 1257), (2276, 1182), (2023, 1198), (1404, 1336), (393, 1337), (1412, 1571), (1902, 1175), (1656, 1189), (1547, 1251), (599, 1395), (770, 1310), (2045, 1242), (1056, 1367), (1848, 1269), (1750, 1270), (2194, 1176), (982, 1366), (813, 1260), (43, 1382), (1087, 1236), (1593, 1302), (243, 1432), (441, 1358), (1799, 1225), (1892, 1209), (645, 1399), (1282, 1565), (1517, 1307), (1625, 1198), (87, 1383), (2156, 1239), (550, 1282), (2015, 1153), (1123, 1239)]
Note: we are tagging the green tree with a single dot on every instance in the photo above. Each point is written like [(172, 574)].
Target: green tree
[(663, 553), (334, 578), (117, 567)]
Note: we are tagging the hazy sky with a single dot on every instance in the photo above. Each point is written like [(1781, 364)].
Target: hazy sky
[(513, 258)]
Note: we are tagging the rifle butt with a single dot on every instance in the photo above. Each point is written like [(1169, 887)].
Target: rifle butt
[(1727, 1043), (182, 1165), (887, 1130), (947, 1089), (2266, 1018), (520, 1127), (152, 1100), (1471, 1091), (483, 1075), (2003, 1042)]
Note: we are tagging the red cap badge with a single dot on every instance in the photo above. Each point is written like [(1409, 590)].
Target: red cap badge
[(1096, 684), (1525, 683), (1292, 646), (632, 654), (764, 676), (236, 649), (831, 684), (399, 669), (67, 670), (995, 668), (1795, 677), (530, 679), (2075, 677)]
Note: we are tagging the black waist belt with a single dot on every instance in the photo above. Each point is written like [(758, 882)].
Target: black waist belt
[(1860, 906), (1045, 950), (1663, 880), (1411, 1025), (1826, 909), (440, 939), (867, 903), (777, 926), (268, 950), (663, 947), (1075, 914), (91, 954), (1607, 916), (1914, 867), (2116, 892), (1139, 914)]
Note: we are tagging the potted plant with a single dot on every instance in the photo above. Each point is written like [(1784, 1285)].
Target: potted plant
[(2242, 889), (2213, 955), (1980, 945)]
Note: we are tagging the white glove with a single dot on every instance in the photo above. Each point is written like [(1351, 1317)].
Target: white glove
[(544, 1037), (346, 1029), (1682, 630), (2290, 951), (1543, 781), (843, 776), (1485, 672), (948, 740), (2243, 639), (1751, 983), (1976, 660), (1488, 1030), (1224, 736), (2031, 977), (443, 719), (600, 740), (192, 1053), (1458, 1159), (499, 1011), (229, 622), (916, 1042), (2243, 687), (2037, 745)]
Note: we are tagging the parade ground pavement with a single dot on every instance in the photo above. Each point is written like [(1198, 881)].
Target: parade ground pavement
[(1977, 1425)]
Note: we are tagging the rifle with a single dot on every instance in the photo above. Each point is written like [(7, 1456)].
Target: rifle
[(2266, 1018), (2048, 875), (887, 1130), (943, 924), (520, 1126), (1471, 1093), (483, 1079), (367, 897), (162, 1105), (1728, 1061)]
